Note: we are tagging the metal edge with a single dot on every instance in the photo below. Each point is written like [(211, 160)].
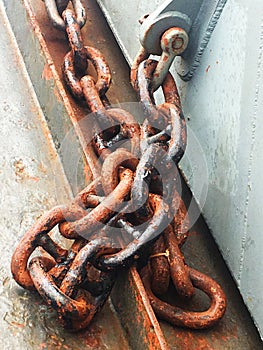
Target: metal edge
[(49, 89), (103, 8), (139, 320), (204, 42)]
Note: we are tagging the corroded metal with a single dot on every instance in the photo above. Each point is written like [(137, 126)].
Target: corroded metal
[(96, 218), (190, 319), (74, 313), (101, 66), (54, 9), (75, 40), (159, 267), (178, 270), (173, 43), (166, 257), (131, 206), (142, 239)]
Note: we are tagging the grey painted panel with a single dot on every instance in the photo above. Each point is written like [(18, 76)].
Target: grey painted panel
[(251, 273), (222, 103)]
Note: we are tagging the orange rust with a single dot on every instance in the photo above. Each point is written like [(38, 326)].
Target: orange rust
[(189, 319), (57, 94), (87, 171), (16, 324), (40, 231), (21, 173), (159, 267), (47, 73), (110, 168), (141, 56), (94, 220), (144, 321), (71, 111), (157, 339), (178, 270)]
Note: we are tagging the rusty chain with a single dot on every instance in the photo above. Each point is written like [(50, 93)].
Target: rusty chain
[(134, 191)]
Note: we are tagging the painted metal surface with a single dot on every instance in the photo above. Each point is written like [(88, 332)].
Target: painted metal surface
[(222, 104), (198, 18), (32, 181), (235, 330), (59, 110)]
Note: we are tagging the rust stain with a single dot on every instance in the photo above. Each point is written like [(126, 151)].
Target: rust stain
[(207, 69), (19, 325), (87, 171), (21, 173), (152, 335), (92, 337), (19, 168), (47, 73), (42, 167), (57, 94)]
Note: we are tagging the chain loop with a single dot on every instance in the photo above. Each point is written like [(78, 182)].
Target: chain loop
[(37, 235), (159, 262), (189, 319), (95, 219), (34, 238), (131, 211), (75, 40), (73, 313), (55, 8), (74, 83), (159, 220), (172, 108), (179, 272)]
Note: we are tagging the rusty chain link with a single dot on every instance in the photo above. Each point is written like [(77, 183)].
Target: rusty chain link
[(134, 192)]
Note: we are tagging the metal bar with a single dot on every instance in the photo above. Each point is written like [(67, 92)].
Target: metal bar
[(136, 314)]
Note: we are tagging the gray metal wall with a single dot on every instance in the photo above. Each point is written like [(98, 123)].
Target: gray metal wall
[(224, 107)]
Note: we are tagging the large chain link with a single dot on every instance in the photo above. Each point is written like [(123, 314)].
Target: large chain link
[(135, 192)]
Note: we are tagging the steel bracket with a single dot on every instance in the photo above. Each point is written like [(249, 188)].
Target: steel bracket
[(197, 17)]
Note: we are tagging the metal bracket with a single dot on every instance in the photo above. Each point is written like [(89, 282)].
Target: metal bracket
[(197, 17)]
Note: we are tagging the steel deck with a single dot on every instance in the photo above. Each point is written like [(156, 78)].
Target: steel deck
[(33, 180)]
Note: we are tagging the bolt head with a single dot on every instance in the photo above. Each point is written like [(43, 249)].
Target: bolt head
[(174, 41)]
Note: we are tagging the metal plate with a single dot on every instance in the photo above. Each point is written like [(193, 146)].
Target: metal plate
[(198, 18), (236, 329)]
